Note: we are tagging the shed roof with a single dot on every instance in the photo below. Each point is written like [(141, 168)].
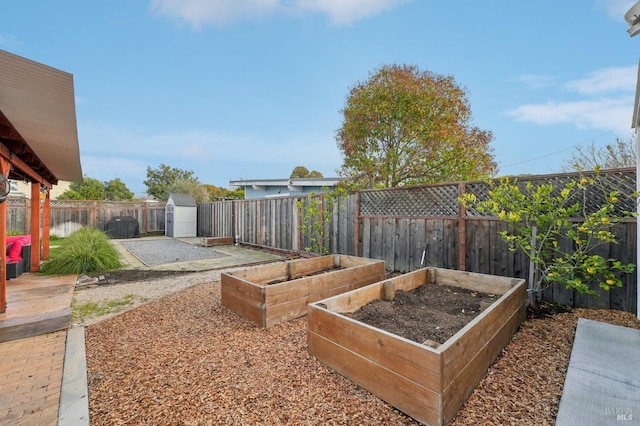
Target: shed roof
[(183, 200), (38, 119)]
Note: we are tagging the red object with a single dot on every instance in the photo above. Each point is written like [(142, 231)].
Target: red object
[(14, 254)]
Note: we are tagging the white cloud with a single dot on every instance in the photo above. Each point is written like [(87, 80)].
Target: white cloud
[(605, 102), (108, 168), (198, 13), (616, 8), (606, 80), (606, 114), (344, 12)]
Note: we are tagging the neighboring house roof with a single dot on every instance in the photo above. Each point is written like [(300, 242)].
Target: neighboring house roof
[(289, 183), (183, 200), (38, 119)]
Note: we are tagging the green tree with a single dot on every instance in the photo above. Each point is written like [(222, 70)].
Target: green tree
[(88, 189), (404, 126), (160, 180), (116, 190), (301, 172), (539, 218), (619, 154), (217, 194), (192, 187)]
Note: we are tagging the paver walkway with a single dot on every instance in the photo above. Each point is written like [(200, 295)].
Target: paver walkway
[(31, 378)]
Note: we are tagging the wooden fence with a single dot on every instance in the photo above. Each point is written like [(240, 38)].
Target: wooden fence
[(426, 226), (406, 227), (69, 216)]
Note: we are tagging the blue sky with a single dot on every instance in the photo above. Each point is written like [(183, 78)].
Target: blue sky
[(249, 89)]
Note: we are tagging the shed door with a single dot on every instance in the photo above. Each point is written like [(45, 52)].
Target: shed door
[(170, 222)]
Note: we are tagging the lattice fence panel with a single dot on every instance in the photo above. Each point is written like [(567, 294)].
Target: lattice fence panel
[(422, 201), (442, 200), (621, 181)]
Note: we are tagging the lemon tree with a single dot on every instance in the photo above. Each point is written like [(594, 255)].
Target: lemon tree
[(540, 218)]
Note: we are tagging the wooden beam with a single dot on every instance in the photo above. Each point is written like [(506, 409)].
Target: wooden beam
[(8, 155), (4, 169), (14, 148), (46, 226), (35, 227)]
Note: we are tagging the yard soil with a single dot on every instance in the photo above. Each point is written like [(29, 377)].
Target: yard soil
[(187, 359), (122, 276), (428, 313)]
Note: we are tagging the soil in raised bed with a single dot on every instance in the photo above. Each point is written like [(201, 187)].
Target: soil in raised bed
[(429, 313)]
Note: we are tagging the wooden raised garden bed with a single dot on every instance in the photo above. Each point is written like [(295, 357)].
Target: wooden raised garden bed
[(217, 241), (271, 294), (427, 383)]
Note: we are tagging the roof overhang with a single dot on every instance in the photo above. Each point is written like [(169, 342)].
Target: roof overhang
[(38, 129)]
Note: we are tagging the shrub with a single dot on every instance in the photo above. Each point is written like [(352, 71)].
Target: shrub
[(86, 250), (539, 220)]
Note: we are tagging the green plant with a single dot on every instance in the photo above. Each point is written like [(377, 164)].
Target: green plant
[(86, 250), (316, 212), (539, 219), (97, 309)]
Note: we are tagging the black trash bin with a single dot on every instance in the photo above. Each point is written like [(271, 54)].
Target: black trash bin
[(122, 227)]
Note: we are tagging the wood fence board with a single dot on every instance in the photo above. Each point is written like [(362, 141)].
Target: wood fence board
[(389, 243), (450, 238), (419, 238), (402, 244)]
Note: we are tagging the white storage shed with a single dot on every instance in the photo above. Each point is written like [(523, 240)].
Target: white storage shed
[(181, 216)]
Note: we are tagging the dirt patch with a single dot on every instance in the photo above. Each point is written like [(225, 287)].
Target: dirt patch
[(134, 275), (428, 313)]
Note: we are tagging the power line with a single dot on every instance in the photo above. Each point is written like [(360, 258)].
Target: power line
[(557, 152)]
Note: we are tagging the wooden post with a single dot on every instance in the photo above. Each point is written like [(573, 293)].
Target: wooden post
[(4, 169), (298, 222), (462, 229), (146, 218), (388, 291), (357, 230), (46, 225), (35, 226), (95, 215)]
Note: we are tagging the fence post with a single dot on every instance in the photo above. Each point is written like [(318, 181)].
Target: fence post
[(357, 230), (95, 215), (462, 229), (146, 217), (298, 224)]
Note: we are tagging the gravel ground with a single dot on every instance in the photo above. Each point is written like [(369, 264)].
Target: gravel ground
[(160, 252), (187, 360)]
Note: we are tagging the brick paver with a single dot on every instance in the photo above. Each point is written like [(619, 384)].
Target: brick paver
[(31, 378)]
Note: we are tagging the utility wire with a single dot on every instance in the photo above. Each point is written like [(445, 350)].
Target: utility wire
[(557, 152)]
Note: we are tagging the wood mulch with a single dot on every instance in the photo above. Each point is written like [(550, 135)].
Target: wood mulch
[(187, 360)]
